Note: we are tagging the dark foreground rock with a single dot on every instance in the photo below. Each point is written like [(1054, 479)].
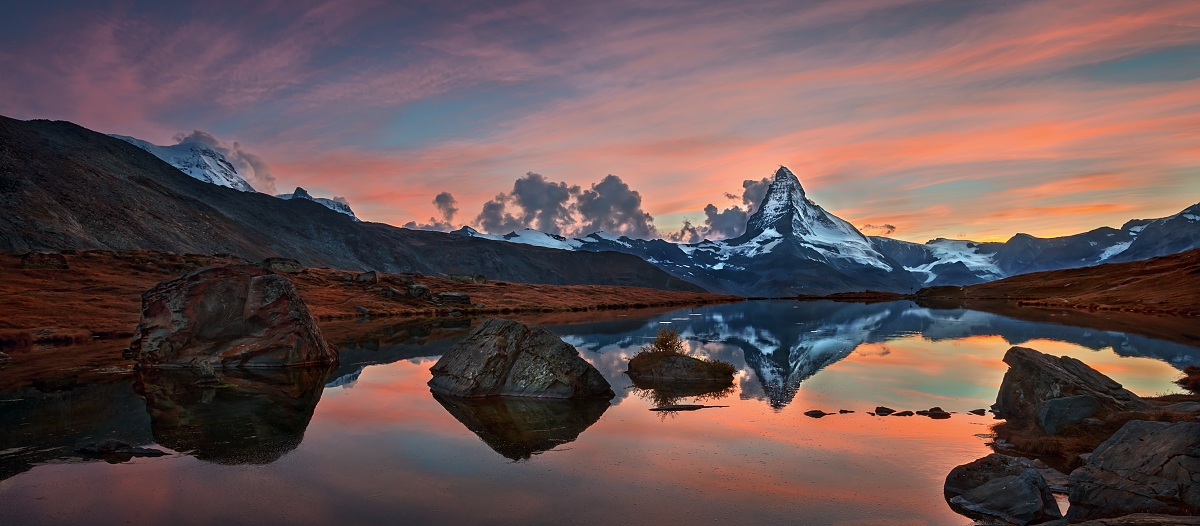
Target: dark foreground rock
[(1144, 519), (518, 428), (1034, 377), (1145, 467), (232, 316), (503, 357), (1001, 488)]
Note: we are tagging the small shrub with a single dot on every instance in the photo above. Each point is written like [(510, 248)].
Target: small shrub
[(1191, 379)]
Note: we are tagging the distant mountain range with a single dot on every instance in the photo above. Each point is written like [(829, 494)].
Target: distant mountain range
[(66, 187), (211, 166), (793, 246)]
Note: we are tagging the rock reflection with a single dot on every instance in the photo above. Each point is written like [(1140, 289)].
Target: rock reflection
[(663, 394), (235, 417), (518, 428)]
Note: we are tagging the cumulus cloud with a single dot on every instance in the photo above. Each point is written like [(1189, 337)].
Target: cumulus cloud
[(447, 206), (613, 207), (250, 166), (753, 193), (535, 203), (883, 230), (718, 224)]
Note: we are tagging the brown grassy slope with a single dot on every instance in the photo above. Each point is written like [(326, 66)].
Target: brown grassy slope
[(100, 295), (1163, 285)]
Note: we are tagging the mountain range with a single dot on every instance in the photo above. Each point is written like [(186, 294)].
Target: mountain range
[(206, 164), (63, 186), (793, 246)]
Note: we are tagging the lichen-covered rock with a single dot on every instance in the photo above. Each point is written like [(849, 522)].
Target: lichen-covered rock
[(999, 487), (232, 316), (1055, 413), (367, 277), (420, 292), (1144, 467), (1034, 377), (503, 357), (283, 265)]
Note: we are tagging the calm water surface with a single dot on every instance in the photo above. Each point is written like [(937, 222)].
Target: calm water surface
[(368, 443)]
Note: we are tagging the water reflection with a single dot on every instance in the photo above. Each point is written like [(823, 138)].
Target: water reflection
[(784, 343), (237, 417), (673, 393), (519, 428)]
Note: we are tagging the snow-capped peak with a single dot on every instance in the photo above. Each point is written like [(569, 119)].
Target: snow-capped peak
[(787, 212), (336, 206), (196, 160)]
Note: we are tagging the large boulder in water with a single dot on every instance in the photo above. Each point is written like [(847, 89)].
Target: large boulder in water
[(1001, 488), (1034, 377), (503, 357), (232, 316), (1144, 467)]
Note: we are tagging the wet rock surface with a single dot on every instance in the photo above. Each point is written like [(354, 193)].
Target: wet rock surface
[(1001, 488), (1034, 377), (503, 357), (232, 316), (518, 428), (1144, 467)]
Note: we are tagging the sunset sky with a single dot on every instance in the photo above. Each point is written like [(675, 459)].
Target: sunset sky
[(943, 119)]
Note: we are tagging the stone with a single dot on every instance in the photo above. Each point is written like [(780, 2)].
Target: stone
[(230, 316), (1000, 487), (1144, 519), (1184, 407), (677, 369), (44, 260), (420, 292), (367, 277), (884, 411), (979, 412), (4, 358), (504, 357), (469, 278), (456, 298), (845, 411), (935, 413), (816, 413), (282, 265), (401, 279), (1144, 467), (1034, 377), (904, 413), (1055, 413), (362, 310)]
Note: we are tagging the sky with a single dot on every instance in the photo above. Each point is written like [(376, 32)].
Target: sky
[(920, 118)]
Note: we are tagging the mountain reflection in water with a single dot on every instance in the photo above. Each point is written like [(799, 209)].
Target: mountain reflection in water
[(369, 444)]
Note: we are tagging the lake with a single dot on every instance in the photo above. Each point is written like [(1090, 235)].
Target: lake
[(368, 443)]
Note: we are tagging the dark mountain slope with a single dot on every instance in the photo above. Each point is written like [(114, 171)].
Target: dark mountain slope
[(63, 186)]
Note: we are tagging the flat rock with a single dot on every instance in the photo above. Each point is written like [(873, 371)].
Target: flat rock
[(1055, 413), (503, 357), (231, 316), (455, 298), (1034, 377), (1184, 407), (999, 487), (282, 265), (1143, 467)]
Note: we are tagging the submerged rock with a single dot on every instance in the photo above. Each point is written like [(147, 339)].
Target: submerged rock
[(999, 487), (232, 316), (503, 357), (1143, 467), (1034, 377)]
